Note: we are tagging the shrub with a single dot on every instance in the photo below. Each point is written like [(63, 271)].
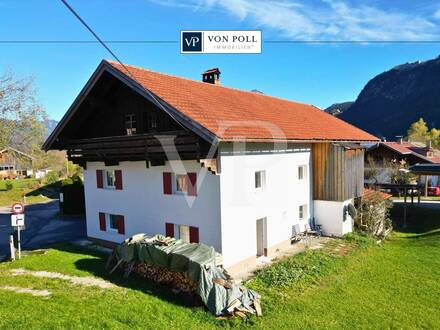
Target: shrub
[(9, 185), (73, 180), (51, 177), (373, 216)]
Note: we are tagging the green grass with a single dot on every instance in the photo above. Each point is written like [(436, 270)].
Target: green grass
[(34, 191), (352, 283)]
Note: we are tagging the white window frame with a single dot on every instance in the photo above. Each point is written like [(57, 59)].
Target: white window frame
[(130, 124), (179, 192), (108, 223), (302, 172), (262, 174), (177, 230), (303, 209), (106, 185)]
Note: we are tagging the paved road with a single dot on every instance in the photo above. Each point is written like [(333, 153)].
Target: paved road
[(44, 226)]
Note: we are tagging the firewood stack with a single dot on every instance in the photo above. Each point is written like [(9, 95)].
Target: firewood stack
[(180, 282), (201, 273)]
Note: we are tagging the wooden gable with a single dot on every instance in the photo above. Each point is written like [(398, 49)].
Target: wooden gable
[(112, 121)]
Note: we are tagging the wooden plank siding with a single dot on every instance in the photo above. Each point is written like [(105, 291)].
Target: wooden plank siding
[(338, 171)]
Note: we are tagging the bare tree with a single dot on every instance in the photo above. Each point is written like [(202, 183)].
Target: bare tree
[(21, 116)]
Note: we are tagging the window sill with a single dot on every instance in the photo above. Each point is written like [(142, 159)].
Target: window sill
[(113, 231)]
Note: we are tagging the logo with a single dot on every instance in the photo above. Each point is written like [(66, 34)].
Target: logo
[(221, 42), (192, 41)]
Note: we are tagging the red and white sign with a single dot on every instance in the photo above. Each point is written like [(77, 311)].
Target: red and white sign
[(18, 208)]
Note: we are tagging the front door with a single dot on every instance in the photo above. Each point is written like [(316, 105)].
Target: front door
[(261, 237)]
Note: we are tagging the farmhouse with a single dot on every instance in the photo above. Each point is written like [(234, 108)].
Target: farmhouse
[(14, 163), (381, 155), (233, 169)]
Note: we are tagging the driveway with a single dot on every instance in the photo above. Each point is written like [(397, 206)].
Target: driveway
[(44, 226)]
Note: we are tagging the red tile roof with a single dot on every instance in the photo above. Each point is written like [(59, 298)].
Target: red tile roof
[(231, 113), (407, 148), (372, 195)]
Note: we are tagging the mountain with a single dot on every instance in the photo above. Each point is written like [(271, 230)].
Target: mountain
[(50, 125), (391, 101), (338, 108)]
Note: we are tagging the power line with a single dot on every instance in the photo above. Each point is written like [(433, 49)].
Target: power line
[(352, 41), (88, 41), (154, 98), (92, 32)]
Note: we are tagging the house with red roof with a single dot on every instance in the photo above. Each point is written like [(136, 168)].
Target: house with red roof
[(404, 152), (237, 170)]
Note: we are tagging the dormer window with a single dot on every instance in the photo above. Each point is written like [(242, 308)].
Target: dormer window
[(152, 121), (130, 124)]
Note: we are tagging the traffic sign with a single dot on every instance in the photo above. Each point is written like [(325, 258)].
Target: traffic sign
[(18, 208), (17, 220)]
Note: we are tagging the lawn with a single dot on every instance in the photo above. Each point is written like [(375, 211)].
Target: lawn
[(32, 189), (350, 284)]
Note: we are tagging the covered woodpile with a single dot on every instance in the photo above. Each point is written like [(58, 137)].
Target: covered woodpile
[(187, 268)]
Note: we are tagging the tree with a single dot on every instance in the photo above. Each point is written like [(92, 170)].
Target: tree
[(434, 136), (21, 116), (418, 131)]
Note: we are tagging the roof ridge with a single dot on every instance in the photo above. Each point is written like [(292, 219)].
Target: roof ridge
[(214, 85)]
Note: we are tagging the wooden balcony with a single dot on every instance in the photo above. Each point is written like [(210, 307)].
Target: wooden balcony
[(155, 148)]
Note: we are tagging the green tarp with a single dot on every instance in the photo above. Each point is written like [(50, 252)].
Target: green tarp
[(197, 261)]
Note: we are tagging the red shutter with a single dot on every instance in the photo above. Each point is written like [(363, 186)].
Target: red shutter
[(169, 229), (193, 234), (192, 184), (167, 183), (102, 221), (99, 179), (118, 179), (121, 224)]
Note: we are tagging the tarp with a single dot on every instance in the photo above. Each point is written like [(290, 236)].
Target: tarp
[(198, 262)]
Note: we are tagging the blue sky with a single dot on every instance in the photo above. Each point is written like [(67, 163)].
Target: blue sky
[(319, 74)]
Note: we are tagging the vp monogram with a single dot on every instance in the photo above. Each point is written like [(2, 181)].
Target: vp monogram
[(192, 41)]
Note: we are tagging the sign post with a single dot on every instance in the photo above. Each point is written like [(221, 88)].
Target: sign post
[(17, 220)]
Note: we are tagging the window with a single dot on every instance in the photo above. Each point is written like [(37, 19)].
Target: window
[(112, 222), (260, 179), (302, 172), (181, 183), (152, 121), (130, 124), (302, 211), (183, 233), (109, 179)]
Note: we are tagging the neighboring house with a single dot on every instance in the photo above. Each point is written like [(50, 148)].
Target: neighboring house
[(14, 163), (252, 166), (409, 153), (41, 173)]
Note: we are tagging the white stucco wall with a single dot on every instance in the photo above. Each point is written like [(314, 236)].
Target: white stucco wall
[(330, 215), (145, 207), (279, 201)]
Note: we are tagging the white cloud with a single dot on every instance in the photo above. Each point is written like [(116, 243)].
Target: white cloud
[(437, 14), (324, 19)]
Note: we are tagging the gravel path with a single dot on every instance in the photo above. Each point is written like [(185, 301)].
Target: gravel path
[(78, 280)]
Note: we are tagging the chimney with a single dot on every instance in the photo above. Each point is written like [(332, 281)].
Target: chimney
[(429, 150), (400, 138), (211, 76)]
